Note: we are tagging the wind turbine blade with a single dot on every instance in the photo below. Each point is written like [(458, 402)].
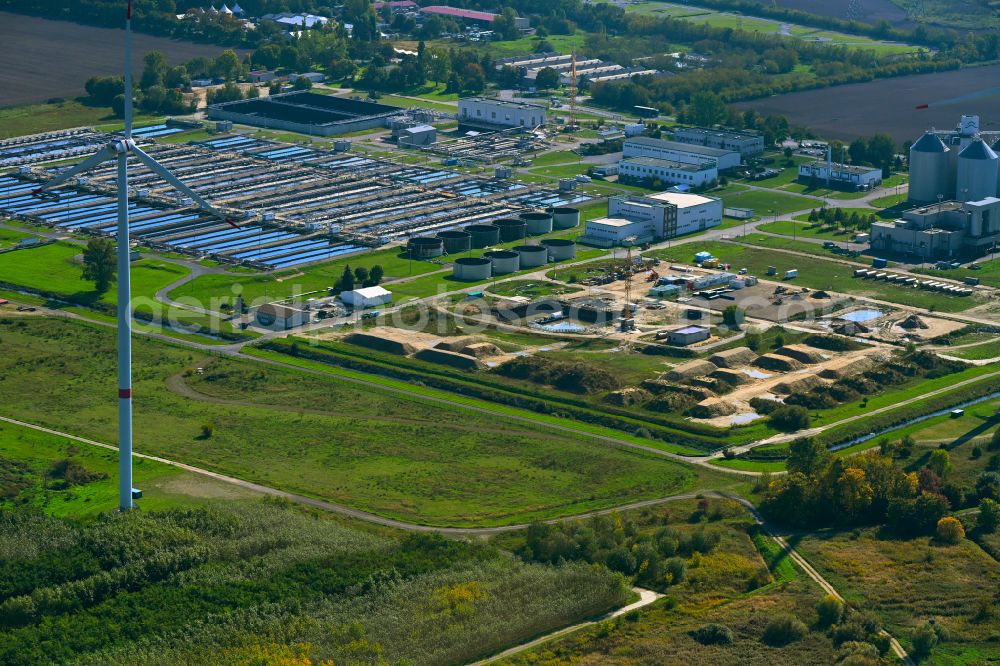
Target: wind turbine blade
[(103, 155), (158, 169), (128, 71)]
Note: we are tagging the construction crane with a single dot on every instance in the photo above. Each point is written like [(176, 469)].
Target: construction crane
[(628, 318)]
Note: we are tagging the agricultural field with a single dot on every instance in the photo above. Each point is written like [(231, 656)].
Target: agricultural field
[(85, 51), (399, 456), (862, 109), (735, 21)]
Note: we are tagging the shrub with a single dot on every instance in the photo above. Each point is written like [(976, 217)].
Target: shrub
[(989, 516), (949, 530), (830, 610), (713, 634), (867, 651), (783, 630), (924, 639), (207, 430), (994, 444), (790, 418), (988, 486), (73, 473)]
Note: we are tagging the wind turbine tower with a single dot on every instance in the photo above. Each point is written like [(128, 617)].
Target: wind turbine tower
[(119, 151)]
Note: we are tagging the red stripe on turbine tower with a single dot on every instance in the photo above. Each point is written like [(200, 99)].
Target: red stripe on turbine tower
[(129, 14), (125, 394), (230, 222)]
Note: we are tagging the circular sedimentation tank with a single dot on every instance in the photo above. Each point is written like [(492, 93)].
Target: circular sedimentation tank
[(560, 249), (425, 247), (532, 256), (456, 242), (565, 217), (537, 222), (504, 261), (511, 229), (483, 235), (473, 268)]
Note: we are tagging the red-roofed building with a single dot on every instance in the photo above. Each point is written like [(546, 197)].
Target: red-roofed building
[(469, 15)]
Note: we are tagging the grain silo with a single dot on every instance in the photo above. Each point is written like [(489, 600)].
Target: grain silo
[(978, 172), (425, 247), (560, 249), (456, 242), (532, 256), (929, 169), (511, 229), (504, 261), (537, 223), (473, 268), (565, 217), (483, 235)]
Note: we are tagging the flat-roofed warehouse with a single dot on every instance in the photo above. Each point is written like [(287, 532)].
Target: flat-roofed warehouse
[(667, 171), (676, 151), (496, 113), (307, 113)]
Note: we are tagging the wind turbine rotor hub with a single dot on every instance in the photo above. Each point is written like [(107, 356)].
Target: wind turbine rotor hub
[(121, 145)]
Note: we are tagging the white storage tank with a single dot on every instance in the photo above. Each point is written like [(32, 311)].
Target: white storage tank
[(532, 256), (537, 223), (504, 261), (473, 268), (928, 169), (565, 217), (978, 172), (560, 249)]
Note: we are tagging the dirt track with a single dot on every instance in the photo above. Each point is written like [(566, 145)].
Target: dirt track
[(45, 59)]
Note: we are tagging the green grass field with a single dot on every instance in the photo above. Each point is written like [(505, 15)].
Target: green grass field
[(55, 268), (38, 118), (762, 202), (394, 455), (163, 486)]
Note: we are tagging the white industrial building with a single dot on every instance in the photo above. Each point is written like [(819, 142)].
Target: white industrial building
[(654, 217), (610, 231), (366, 297), (941, 230), (959, 164), (745, 143), (667, 171), (688, 335), (494, 113), (280, 317), (420, 135), (841, 176), (695, 212), (676, 151)]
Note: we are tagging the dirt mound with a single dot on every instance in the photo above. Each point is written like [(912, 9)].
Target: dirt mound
[(628, 397), (847, 367), (798, 385), (381, 344), (482, 350), (691, 369), (454, 359), (913, 322), (729, 376), (663, 387), (736, 357), (708, 409), (802, 353), (457, 344), (778, 363)]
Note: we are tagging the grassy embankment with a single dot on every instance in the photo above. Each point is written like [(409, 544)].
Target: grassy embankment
[(397, 455)]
